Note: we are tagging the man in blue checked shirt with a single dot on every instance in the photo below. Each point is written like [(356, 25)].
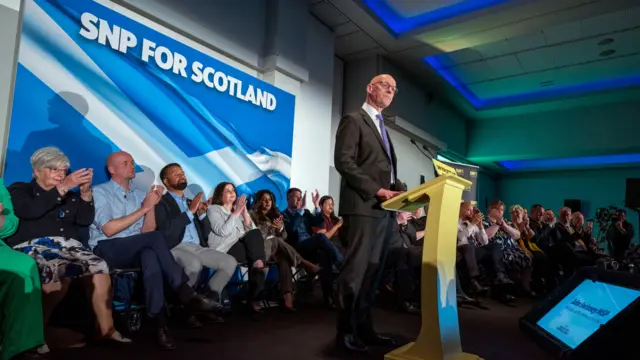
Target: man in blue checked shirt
[(124, 234)]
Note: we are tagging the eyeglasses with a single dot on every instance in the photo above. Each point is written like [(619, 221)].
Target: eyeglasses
[(58, 170), (385, 85)]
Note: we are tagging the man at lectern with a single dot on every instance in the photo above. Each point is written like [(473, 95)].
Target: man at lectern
[(365, 159)]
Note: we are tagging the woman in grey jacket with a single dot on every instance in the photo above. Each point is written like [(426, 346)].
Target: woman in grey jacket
[(233, 232)]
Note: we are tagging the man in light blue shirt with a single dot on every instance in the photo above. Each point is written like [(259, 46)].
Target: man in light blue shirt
[(123, 234), (185, 227)]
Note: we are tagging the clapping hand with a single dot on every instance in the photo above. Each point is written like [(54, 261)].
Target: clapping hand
[(204, 206), (303, 203), (241, 205), (588, 227), (152, 198), (77, 178), (277, 223), (315, 197), (476, 219), (196, 203), (85, 186)]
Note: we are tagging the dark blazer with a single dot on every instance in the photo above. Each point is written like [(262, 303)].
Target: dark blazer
[(361, 159), (46, 213), (293, 222), (172, 222)]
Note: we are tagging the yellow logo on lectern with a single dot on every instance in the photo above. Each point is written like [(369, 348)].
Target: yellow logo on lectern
[(473, 173), (442, 168)]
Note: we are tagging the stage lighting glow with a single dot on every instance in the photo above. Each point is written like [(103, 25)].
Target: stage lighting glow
[(400, 24), (545, 93), (539, 164)]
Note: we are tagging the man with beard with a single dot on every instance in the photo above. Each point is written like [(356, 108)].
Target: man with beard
[(124, 234), (185, 229)]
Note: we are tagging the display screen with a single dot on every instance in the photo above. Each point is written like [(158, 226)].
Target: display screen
[(581, 313)]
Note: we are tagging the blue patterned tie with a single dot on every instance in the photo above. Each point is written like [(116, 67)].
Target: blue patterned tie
[(385, 139)]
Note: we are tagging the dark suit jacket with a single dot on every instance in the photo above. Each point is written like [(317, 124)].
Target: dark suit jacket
[(172, 222), (46, 213), (361, 159)]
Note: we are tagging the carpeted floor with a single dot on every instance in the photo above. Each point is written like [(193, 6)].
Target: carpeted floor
[(308, 335)]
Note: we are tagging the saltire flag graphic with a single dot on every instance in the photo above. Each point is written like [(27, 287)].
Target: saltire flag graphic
[(92, 81)]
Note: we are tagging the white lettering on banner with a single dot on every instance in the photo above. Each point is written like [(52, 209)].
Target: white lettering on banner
[(120, 39)]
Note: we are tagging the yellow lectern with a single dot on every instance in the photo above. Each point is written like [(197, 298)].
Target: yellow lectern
[(439, 338)]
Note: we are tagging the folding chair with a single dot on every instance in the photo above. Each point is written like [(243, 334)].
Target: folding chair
[(123, 285)]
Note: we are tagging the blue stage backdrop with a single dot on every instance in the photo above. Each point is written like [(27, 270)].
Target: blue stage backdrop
[(92, 81)]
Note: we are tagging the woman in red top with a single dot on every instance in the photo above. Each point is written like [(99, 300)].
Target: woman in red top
[(327, 222)]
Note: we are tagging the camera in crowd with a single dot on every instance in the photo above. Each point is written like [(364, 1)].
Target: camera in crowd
[(607, 214)]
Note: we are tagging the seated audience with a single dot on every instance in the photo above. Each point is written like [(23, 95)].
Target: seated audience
[(549, 218), (124, 234), (419, 221), (405, 256), (21, 326), (585, 241), (517, 262), (574, 250), (233, 232), (268, 219), (50, 216), (186, 229), (326, 222), (473, 247), (315, 247), (620, 235), (543, 269), (545, 233)]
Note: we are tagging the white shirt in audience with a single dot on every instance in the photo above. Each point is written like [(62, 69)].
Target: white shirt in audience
[(467, 230)]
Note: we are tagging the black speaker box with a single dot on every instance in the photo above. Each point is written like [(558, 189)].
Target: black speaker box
[(632, 197), (597, 321), (573, 204)]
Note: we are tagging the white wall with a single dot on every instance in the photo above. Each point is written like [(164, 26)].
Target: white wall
[(312, 130), (411, 162), (8, 36), (336, 115), (234, 32)]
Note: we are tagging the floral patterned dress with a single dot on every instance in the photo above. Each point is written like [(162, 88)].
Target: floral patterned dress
[(515, 259)]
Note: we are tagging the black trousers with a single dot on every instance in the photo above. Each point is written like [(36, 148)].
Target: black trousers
[(367, 240), (149, 252), (543, 269), (248, 250), (489, 255), (407, 262), (319, 249)]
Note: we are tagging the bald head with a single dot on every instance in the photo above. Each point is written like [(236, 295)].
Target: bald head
[(383, 77), (121, 166), (380, 91), (114, 157)]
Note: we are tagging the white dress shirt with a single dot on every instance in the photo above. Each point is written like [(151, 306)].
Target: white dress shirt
[(373, 113), (467, 230)]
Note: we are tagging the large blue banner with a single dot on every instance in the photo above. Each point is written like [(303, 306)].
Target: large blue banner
[(92, 81)]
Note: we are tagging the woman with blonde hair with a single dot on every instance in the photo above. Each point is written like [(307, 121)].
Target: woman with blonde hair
[(516, 260), (543, 269)]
